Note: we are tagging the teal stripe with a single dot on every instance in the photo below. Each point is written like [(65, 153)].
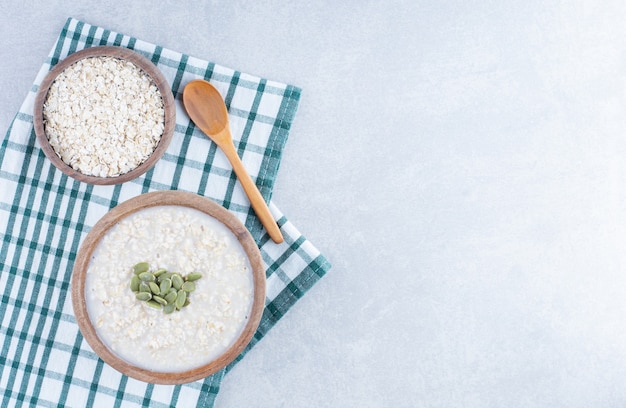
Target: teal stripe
[(104, 40), (174, 400), (147, 181), (118, 40), (207, 169), (59, 45), (179, 74), (90, 36), (232, 87), (252, 221), (232, 179), (146, 398), (119, 395), (131, 43), (69, 374), (76, 37), (180, 162), (93, 389), (115, 197), (156, 57)]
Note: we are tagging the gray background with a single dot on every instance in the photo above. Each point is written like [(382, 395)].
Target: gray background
[(460, 163)]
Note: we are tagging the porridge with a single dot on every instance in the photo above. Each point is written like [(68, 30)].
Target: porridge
[(103, 116), (165, 240)]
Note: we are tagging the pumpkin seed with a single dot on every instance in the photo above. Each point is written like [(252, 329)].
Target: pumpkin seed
[(141, 267), (160, 300), (143, 287), (189, 287), (153, 304), (187, 302), (154, 288), (159, 272), (171, 297), (177, 281), (194, 276), (134, 283), (180, 299), (165, 286), (167, 309), (143, 296), (166, 275), (146, 277)]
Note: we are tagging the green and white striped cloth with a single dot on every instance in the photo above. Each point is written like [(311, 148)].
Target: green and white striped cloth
[(44, 216)]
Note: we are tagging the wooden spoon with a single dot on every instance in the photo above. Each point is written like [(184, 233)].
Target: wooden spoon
[(206, 108)]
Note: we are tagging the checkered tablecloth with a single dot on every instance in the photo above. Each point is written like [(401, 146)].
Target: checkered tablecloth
[(44, 216)]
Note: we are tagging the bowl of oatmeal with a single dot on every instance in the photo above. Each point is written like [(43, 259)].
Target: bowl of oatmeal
[(104, 115), (168, 287)]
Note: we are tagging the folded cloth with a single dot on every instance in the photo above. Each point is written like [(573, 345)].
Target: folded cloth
[(45, 215)]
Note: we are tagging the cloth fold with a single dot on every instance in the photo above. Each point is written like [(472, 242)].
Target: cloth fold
[(44, 216)]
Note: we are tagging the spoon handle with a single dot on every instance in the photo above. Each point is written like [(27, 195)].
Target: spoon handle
[(254, 195)]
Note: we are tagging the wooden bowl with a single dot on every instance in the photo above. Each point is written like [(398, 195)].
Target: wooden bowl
[(166, 198), (120, 53)]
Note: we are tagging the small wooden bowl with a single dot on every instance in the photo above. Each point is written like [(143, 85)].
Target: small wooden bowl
[(166, 198), (120, 53)]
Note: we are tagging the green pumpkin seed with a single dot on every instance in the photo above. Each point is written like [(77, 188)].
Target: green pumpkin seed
[(153, 304), (143, 287), (159, 272), (167, 309), (146, 277), (166, 284), (160, 300), (165, 275), (141, 267), (143, 296), (189, 287), (171, 297), (154, 288), (180, 299), (134, 283), (194, 276), (177, 281), (187, 302)]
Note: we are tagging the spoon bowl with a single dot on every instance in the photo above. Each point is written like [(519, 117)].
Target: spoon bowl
[(206, 108)]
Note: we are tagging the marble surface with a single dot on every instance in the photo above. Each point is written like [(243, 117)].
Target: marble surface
[(460, 163)]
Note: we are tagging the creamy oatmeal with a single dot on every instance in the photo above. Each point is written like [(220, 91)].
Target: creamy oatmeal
[(178, 239), (103, 116)]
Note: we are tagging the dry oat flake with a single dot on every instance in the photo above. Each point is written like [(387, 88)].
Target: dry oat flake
[(103, 116)]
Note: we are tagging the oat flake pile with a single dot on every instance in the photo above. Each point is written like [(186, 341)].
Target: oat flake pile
[(103, 116)]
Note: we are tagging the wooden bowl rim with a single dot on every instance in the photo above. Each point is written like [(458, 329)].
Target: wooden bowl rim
[(155, 199), (116, 52)]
